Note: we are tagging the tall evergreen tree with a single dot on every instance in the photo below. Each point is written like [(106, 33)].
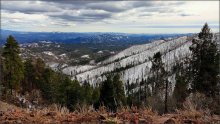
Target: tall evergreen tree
[(47, 85), (107, 94), (112, 92), (119, 90), (1, 76), (29, 75), (87, 92), (205, 63), (12, 64), (95, 95), (158, 74), (74, 94), (181, 87), (129, 93), (63, 91), (158, 79)]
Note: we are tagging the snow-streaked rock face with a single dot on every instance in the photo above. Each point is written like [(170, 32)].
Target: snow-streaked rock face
[(50, 54), (53, 65), (133, 50), (138, 59), (73, 70)]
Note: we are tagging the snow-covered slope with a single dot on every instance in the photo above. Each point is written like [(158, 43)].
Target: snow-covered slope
[(134, 63), (73, 70)]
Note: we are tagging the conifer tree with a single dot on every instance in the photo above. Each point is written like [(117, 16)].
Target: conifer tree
[(112, 92), (12, 65), (1, 76), (158, 79), (107, 94), (205, 63), (119, 90), (181, 87), (158, 74), (95, 95), (29, 75), (87, 92)]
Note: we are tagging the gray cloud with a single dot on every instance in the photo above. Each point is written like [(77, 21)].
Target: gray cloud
[(97, 15), (82, 18), (145, 14), (88, 10), (106, 8), (29, 7), (183, 14)]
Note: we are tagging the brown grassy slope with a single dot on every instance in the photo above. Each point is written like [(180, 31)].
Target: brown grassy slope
[(87, 115)]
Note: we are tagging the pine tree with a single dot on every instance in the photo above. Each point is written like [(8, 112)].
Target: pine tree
[(158, 74), (29, 77), (158, 79), (74, 95), (166, 96), (1, 76), (112, 92), (46, 85), (119, 90), (181, 87), (107, 94), (12, 65), (39, 70), (64, 93), (129, 94), (87, 92), (205, 63), (95, 95)]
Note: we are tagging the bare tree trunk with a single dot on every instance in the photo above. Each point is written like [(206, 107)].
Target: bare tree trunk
[(139, 94), (165, 101), (145, 92)]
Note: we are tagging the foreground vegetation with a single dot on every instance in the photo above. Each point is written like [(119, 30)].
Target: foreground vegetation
[(87, 114)]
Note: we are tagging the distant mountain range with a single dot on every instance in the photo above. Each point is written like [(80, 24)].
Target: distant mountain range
[(88, 37)]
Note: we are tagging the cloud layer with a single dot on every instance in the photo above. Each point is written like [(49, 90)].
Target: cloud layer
[(96, 15)]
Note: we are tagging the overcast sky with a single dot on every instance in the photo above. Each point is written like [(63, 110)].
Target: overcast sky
[(110, 16)]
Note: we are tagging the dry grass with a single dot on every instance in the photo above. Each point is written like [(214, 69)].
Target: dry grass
[(5, 106), (189, 110), (195, 112), (87, 114), (59, 109), (84, 109)]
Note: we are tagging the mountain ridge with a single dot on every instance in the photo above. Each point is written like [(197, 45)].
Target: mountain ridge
[(135, 67), (81, 37)]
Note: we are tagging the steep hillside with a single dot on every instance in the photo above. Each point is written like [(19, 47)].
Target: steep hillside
[(134, 63)]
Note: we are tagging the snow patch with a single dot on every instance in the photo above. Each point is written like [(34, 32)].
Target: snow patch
[(85, 56)]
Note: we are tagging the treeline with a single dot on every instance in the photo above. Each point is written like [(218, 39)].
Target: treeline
[(196, 74)]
